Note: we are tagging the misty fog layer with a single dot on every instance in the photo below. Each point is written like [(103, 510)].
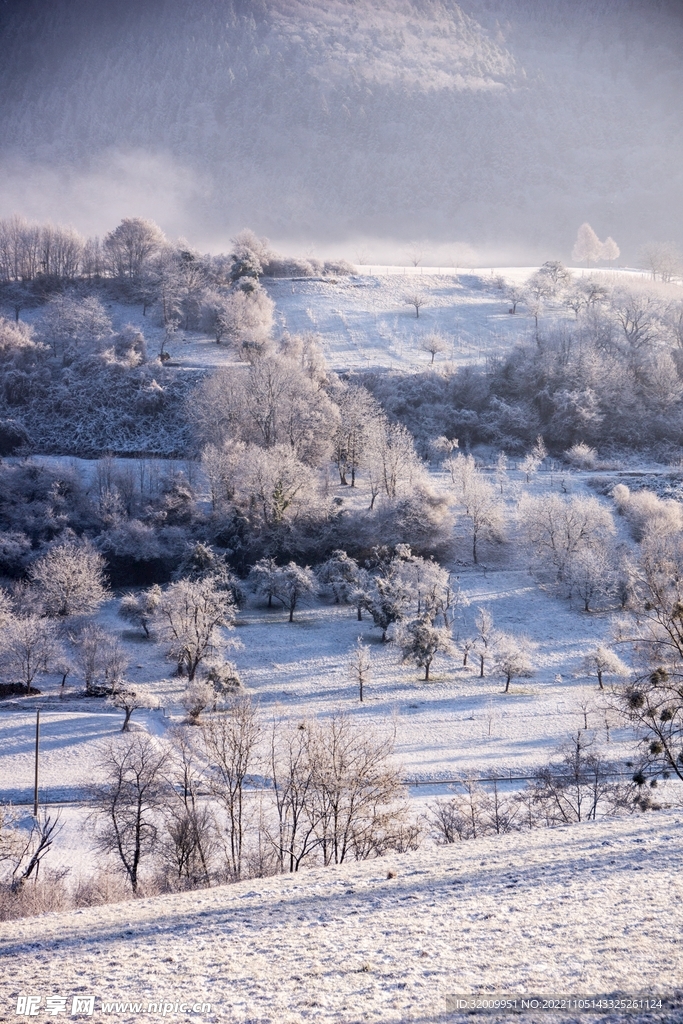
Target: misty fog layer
[(499, 124)]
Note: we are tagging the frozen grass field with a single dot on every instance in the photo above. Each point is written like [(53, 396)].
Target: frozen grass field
[(591, 911)]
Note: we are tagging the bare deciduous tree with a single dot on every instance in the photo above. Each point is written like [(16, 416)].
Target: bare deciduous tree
[(231, 741), (127, 804), (359, 667), (356, 788), (485, 638), (417, 300)]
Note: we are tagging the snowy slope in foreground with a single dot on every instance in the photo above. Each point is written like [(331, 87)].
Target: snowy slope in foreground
[(589, 910)]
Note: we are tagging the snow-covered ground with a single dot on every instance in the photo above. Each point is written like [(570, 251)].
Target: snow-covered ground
[(589, 911), (366, 320)]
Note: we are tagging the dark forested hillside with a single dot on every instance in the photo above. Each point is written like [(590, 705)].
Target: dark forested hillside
[(497, 123)]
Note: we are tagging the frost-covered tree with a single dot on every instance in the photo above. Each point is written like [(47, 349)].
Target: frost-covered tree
[(662, 259), (590, 574), (478, 500), (556, 526), (139, 609), (69, 579), (434, 343), (357, 412), (601, 662), (428, 584), (99, 658), (244, 318), (189, 619), (28, 645), (215, 314), (534, 459), (263, 578), (647, 514), (392, 462), (198, 696), (69, 322), (485, 638), (610, 250), (639, 322), (512, 657), (294, 585), (359, 667), (341, 576), (582, 456), (417, 300), (249, 256), (420, 642), (129, 246), (275, 401), (388, 598), (556, 274), (588, 247), (514, 294), (274, 487), (132, 698)]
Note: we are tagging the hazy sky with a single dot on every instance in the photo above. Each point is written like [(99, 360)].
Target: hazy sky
[(488, 129)]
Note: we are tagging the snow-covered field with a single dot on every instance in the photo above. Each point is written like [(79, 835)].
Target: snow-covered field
[(590, 911), (366, 320)]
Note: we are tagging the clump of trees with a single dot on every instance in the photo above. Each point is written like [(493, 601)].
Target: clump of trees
[(328, 793), (578, 784), (607, 378)]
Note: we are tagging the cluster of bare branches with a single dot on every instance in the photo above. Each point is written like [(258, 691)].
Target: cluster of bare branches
[(234, 798), (578, 785)]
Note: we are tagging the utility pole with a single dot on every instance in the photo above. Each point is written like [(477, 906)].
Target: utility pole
[(35, 780)]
